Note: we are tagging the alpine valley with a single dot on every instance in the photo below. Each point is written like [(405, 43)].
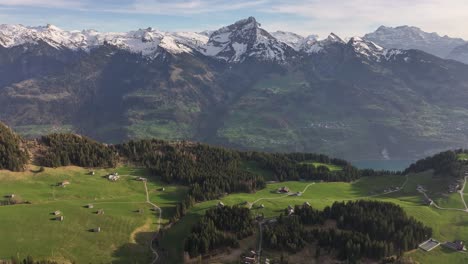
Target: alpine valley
[(239, 86)]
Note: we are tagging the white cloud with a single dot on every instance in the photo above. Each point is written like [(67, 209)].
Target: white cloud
[(186, 7), (356, 17), (68, 4)]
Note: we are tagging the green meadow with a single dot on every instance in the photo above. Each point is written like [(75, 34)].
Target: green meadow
[(447, 225), (30, 229)]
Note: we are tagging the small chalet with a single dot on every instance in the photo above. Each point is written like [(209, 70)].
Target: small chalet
[(262, 206), (113, 177), (100, 212), (59, 218), (57, 212), (457, 245), (10, 196), (283, 189), (64, 184), (90, 206), (220, 204), (141, 179), (306, 204), (97, 230)]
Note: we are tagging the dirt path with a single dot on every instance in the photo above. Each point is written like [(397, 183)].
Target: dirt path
[(439, 207), (462, 194), (155, 252), (279, 197)]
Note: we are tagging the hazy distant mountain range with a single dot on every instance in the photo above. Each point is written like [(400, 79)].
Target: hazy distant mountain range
[(380, 96)]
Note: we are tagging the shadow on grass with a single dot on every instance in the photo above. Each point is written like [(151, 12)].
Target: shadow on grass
[(138, 252)]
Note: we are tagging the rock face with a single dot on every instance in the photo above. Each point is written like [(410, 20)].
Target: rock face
[(460, 54), (238, 86), (406, 37)]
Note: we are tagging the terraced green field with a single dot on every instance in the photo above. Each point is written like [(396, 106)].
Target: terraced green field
[(30, 229)]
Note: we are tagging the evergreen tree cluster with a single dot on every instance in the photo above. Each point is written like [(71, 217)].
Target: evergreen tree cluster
[(219, 228), (70, 149), (444, 163), (368, 229), (295, 166), (30, 260), (210, 171), (12, 157)]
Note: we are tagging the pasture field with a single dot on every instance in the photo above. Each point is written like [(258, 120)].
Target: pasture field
[(447, 225), (29, 229), (331, 167)]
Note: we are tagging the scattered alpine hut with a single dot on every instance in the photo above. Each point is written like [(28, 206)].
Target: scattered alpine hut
[(90, 206), (92, 173), (306, 204), (456, 245), (113, 177), (59, 218), (97, 229), (100, 212), (64, 184), (57, 212), (142, 179), (283, 189), (163, 189), (261, 206), (10, 196), (220, 204)]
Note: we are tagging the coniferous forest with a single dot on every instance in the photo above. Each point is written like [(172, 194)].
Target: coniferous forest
[(367, 229), (12, 156)]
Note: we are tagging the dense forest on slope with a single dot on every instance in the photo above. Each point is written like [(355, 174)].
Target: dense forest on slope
[(444, 163), (71, 149), (219, 227), (368, 229), (12, 156)]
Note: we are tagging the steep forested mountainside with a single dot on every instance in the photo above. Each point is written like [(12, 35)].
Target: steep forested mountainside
[(239, 87)]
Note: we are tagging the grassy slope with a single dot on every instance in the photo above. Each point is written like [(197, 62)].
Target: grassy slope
[(28, 229), (447, 225)]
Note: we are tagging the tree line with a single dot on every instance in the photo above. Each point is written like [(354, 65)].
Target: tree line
[(71, 149), (220, 227), (367, 229), (12, 156), (444, 163)]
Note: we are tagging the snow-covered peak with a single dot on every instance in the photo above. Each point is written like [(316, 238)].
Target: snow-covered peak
[(143, 41), (364, 48), (311, 44), (408, 37), (245, 39), (293, 40), (371, 51)]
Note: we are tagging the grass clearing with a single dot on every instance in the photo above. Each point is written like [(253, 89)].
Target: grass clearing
[(29, 229)]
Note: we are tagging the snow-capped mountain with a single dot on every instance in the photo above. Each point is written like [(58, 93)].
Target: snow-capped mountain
[(460, 54), (245, 39), (145, 41), (406, 37), (291, 39)]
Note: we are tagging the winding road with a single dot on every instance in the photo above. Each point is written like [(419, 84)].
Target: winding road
[(452, 209), (155, 252)]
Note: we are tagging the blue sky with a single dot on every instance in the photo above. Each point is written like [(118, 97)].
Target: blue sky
[(346, 18)]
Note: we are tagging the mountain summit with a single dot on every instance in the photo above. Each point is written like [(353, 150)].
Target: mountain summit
[(406, 37), (238, 86), (246, 39)]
